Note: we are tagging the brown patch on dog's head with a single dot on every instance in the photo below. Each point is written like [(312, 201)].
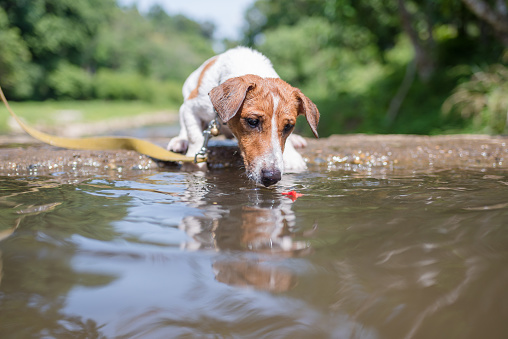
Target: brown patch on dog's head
[(261, 113)]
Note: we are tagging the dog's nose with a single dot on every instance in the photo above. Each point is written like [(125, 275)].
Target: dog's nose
[(270, 177)]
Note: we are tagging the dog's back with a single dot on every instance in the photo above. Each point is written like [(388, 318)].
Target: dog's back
[(232, 63)]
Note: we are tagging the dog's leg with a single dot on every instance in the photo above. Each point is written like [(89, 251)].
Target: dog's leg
[(293, 161), (195, 136), (180, 143), (193, 125), (190, 138)]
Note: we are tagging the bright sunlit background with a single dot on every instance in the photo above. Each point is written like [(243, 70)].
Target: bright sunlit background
[(371, 66), (226, 15)]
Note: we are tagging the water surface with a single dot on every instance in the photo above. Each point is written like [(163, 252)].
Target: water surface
[(206, 255)]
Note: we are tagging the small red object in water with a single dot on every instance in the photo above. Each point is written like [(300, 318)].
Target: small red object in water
[(292, 195)]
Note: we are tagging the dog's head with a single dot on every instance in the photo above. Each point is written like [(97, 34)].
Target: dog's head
[(261, 113)]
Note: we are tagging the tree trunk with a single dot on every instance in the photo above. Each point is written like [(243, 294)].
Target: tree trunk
[(497, 19), (398, 99), (425, 63)]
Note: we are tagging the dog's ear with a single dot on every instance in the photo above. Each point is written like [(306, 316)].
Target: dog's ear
[(228, 97), (307, 108)]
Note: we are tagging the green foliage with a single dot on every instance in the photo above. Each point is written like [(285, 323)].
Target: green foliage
[(66, 49), (352, 58), (483, 99), (113, 85), (341, 79), (68, 81), (53, 32), (152, 47), (14, 60), (120, 86), (298, 51)]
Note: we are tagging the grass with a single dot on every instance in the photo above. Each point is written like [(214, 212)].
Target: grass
[(51, 113)]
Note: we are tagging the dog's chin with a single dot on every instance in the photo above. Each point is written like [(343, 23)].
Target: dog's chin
[(257, 182), (254, 177)]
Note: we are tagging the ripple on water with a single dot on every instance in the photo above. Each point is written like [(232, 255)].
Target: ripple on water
[(170, 254)]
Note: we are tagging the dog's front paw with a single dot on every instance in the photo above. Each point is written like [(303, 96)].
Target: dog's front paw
[(298, 141), (178, 145)]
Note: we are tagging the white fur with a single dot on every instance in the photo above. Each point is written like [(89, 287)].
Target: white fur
[(276, 152), (197, 112), (293, 161)]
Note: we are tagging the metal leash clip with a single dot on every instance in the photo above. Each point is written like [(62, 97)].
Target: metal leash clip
[(211, 131)]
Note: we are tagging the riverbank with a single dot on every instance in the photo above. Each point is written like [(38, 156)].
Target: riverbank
[(76, 118), (405, 154)]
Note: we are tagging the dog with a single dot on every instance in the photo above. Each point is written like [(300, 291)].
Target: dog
[(254, 105)]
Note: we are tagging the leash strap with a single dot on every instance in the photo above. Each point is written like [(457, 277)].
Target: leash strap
[(103, 143)]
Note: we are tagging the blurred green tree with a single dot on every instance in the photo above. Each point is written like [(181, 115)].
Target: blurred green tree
[(55, 33), (56, 49), (483, 100), (379, 66), (14, 60)]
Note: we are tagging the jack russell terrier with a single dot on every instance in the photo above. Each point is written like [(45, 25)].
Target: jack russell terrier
[(259, 108)]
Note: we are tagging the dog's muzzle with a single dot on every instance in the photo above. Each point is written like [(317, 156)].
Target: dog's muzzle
[(270, 177)]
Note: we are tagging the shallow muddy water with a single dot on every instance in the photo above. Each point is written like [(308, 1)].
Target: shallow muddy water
[(167, 254)]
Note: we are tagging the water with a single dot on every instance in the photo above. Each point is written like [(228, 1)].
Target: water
[(208, 255)]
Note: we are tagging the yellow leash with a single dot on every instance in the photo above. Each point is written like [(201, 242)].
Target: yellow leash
[(103, 143)]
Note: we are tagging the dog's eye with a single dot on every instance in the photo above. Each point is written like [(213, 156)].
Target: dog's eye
[(252, 122), (288, 128)]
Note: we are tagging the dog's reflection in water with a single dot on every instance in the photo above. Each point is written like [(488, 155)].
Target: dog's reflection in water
[(250, 273), (260, 233)]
